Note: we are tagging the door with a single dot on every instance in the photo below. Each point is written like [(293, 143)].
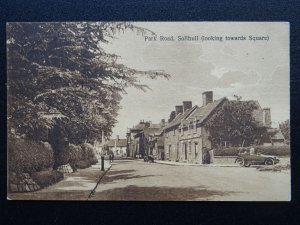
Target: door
[(196, 151), (185, 151)]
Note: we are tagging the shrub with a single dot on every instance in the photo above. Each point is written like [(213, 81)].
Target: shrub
[(274, 150), (47, 177), (266, 150), (27, 156), (226, 152), (88, 153)]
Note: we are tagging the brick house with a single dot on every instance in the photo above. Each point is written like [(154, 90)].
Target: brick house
[(186, 137)]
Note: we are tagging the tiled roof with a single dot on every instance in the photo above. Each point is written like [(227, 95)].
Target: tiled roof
[(201, 113), (139, 126), (177, 120), (120, 143), (142, 126)]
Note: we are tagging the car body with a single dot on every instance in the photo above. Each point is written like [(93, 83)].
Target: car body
[(247, 159)]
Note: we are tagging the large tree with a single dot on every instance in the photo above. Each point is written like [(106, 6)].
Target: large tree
[(234, 122), (60, 70)]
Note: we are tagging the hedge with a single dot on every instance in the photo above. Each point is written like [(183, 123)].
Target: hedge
[(81, 156), (27, 156), (266, 150), (88, 153)]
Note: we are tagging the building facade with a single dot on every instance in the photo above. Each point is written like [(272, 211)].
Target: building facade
[(187, 138)]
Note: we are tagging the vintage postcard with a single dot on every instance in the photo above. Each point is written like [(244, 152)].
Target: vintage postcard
[(148, 111)]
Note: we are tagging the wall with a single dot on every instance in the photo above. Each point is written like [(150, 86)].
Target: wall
[(224, 160), (186, 146)]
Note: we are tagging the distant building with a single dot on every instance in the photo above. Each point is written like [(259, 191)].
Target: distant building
[(139, 138), (274, 138), (117, 146)]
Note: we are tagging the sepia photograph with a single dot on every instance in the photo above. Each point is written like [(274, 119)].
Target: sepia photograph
[(148, 111)]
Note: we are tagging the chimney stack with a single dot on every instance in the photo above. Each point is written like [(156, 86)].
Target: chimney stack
[(178, 109), (207, 97), (186, 105), (267, 117)]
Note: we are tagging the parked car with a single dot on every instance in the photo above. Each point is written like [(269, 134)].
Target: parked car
[(149, 158), (247, 159)]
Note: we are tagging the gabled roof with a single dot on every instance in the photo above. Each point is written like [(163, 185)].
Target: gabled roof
[(201, 113), (181, 116), (120, 143)]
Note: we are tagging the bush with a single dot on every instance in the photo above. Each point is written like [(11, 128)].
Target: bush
[(274, 150), (27, 156), (47, 177), (226, 151), (88, 153), (266, 150), (75, 155)]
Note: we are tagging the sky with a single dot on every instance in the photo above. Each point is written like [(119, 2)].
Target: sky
[(255, 70)]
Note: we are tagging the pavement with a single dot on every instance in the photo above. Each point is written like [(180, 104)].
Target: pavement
[(74, 186), (135, 180)]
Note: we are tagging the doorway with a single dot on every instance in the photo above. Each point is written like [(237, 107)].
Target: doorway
[(185, 151)]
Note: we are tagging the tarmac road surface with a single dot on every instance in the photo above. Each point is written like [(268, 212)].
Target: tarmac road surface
[(138, 180)]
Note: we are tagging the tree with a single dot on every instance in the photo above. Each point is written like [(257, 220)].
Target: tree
[(285, 129), (62, 68), (234, 122)]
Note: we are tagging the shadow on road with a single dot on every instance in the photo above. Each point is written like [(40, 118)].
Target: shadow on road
[(133, 193), (109, 179), (116, 172)]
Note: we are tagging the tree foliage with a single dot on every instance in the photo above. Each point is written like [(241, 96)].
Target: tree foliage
[(60, 70), (234, 122), (285, 129)]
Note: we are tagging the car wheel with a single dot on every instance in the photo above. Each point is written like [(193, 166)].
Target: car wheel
[(240, 161), (247, 164), (269, 162)]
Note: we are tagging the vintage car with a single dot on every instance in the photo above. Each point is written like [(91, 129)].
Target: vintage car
[(248, 159)]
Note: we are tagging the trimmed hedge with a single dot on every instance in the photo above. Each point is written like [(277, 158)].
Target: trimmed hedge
[(27, 156), (81, 156), (266, 150), (47, 177), (88, 153)]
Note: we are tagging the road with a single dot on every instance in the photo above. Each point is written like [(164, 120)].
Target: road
[(137, 180)]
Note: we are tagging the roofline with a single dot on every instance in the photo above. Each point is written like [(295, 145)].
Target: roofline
[(178, 123)]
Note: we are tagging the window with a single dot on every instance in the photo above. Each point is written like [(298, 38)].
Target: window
[(196, 149), (174, 131), (190, 147)]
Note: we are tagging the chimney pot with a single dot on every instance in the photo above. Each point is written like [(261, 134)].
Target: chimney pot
[(207, 97), (187, 105), (267, 117), (178, 109)]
